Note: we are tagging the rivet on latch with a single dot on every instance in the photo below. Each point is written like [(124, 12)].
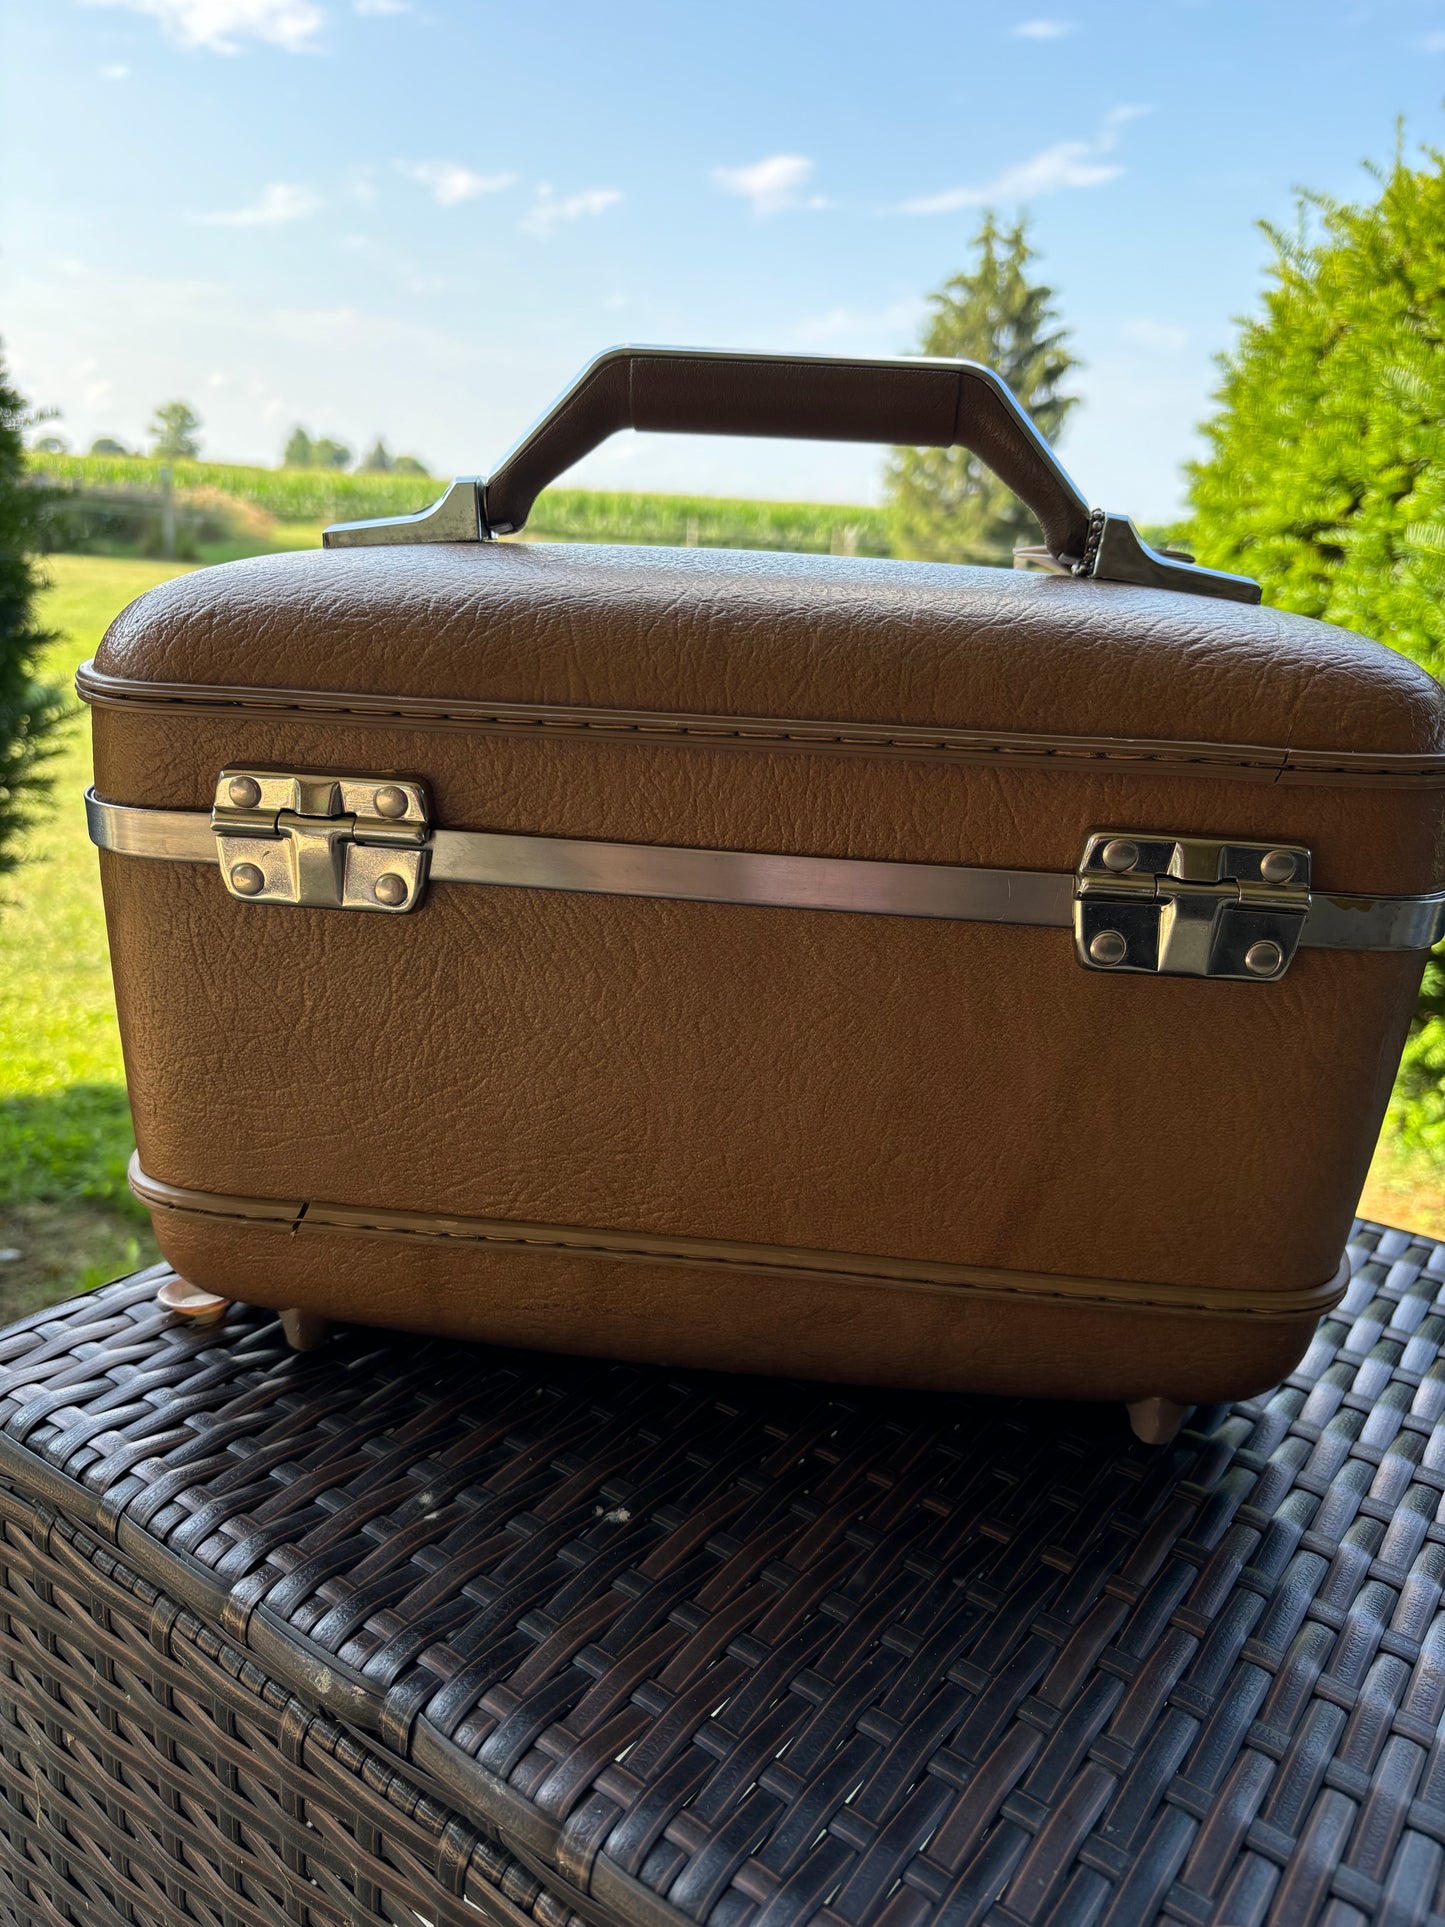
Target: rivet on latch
[(247, 880), (1276, 866), (1108, 947), (1263, 959), (1120, 854), (390, 889), (390, 801), (244, 792)]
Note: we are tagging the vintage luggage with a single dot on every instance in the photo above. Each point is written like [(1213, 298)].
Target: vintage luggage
[(874, 970)]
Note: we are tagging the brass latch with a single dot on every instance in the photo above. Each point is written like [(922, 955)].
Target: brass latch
[(1187, 906), (324, 841)]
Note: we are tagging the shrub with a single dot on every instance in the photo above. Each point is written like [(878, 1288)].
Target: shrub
[(29, 709), (1325, 476)]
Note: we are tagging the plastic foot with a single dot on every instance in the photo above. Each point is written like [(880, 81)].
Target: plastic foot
[(305, 1331), (185, 1300), (1156, 1420)]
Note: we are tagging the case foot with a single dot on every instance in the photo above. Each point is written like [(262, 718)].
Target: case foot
[(306, 1331), (1156, 1420), (184, 1300)]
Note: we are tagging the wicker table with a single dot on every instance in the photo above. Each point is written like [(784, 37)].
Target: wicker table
[(402, 1631)]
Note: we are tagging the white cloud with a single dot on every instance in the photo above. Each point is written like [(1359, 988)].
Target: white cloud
[(1043, 29), (222, 25), (1065, 164), (380, 9), (282, 201), (772, 185), (1433, 43), (1149, 333), (116, 71), (548, 212), (451, 183)]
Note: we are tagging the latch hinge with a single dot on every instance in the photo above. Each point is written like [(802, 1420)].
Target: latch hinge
[(1188, 906), (325, 841)]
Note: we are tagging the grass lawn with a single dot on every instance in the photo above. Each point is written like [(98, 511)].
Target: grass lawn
[(66, 1219)]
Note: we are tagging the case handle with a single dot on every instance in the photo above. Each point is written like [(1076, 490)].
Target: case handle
[(678, 391), (917, 401)]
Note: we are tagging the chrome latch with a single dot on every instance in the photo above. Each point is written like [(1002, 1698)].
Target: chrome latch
[(1188, 906), (325, 841)]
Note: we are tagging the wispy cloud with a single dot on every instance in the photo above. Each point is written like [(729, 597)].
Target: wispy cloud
[(772, 185), (1148, 333), (1433, 43), (116, 71), (380, 9), (1043, 29), (282, 201), (222, 26), (549, 211), (451, 183), (1066, 164)]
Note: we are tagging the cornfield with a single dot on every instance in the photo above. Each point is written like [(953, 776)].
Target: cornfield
[(561, 514)]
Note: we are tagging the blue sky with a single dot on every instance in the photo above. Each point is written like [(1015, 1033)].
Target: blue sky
[(419, 217)]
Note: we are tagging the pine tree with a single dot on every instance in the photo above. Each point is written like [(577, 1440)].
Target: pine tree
[(297, 453), (1325, 477), (29, 709), (377, 460), (946, 506)]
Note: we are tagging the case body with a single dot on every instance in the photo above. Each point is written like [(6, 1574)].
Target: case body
[(880, 1147)]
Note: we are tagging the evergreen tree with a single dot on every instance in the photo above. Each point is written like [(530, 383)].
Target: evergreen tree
[(946, 506), (29, 709), (175, 432), (377, 460), (1325, 476), (297, 452)]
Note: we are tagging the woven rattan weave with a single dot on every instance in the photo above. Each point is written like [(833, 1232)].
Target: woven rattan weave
[(405, 1631)]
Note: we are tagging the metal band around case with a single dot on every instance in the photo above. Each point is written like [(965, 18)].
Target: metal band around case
[(955, 892)]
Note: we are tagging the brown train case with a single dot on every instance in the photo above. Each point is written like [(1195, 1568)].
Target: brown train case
[(938, 976)]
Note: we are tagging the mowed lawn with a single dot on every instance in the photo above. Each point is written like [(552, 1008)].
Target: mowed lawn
[(67, 1220), (64, 1124)]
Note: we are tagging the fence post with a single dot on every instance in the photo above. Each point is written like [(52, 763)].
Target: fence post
[(168, 512)]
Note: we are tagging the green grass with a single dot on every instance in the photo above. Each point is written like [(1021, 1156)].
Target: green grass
[(65, 1133), (61, 1134)]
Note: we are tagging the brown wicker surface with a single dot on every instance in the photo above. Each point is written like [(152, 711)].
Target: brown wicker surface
[(404, 1631)]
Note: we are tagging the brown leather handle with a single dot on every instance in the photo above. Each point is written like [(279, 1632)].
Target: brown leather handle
[(682, 391)]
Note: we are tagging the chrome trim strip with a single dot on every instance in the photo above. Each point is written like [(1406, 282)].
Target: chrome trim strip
[(1374, 923), (740, 876), (176, 836), (1037, 897)]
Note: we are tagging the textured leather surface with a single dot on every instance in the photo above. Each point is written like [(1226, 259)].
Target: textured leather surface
[(962, 1094), (917, 402), (778, 635), (1021, 815), (834, 1082), (786, 1263), (736, 1321)]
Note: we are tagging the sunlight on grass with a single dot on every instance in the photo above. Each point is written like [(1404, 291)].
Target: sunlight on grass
[(65, 1129), (57, 1020)]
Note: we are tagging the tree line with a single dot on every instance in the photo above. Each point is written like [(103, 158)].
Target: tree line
[(174, 435)]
